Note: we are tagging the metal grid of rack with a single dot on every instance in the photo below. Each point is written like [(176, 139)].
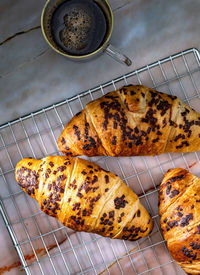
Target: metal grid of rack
[(43, 244)]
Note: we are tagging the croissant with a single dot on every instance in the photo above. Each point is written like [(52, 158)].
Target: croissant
[(84, 197), (179, 198), (133, 120)]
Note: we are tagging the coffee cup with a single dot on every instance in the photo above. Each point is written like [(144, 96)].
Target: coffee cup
[(80, 29)]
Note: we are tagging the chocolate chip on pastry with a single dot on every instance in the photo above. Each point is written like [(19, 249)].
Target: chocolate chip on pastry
[(84, 197), (179, 199), (134, 120)]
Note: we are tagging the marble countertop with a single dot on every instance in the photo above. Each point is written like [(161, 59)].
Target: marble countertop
[(33, 76)]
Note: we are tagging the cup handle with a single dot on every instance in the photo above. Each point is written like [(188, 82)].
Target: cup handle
[(117, 55)]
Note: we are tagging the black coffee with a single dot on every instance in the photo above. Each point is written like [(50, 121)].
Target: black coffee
[(79, 26)]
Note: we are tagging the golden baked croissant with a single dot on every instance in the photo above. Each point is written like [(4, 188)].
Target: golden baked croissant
[(179, 199), (133, 120), (84, 197)]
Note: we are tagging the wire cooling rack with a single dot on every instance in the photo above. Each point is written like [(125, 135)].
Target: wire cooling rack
[(43, 244)]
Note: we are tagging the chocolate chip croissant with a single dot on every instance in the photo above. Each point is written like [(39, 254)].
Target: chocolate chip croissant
[(84, 197), (179, 209), (133, 120)]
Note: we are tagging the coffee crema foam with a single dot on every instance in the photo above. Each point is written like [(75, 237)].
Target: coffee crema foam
[(78, 26)]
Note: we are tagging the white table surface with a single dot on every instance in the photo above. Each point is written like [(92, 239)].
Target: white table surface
[(32, 76)]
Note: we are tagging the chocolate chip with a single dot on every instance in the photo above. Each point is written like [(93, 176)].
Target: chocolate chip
[(136, 130), (84, 212), (155, 140), (179, 208), (67, 163), (76, 206), (106, 179), (61, 178), (174, 193), (126, 104), (73, 185), (130, 145), (114, 140), (169, 187), (172, 123), (95, 179), (185, 220), (94, 189), (163, 106), (172, 224), (185, 112), (114, 124), (119, 219), (178, 137), (79, 195), (96, 199), (83, 172), (195, 246), (173, 179), (188, 253), (180, 214), (182, 144), (133, 93), (77, 133), (149, 118), (86, 130), (116, 117), (63, 141), (120, 202), (148, 130), (111, 214), (167, 228), (51, 164), (48, 170)]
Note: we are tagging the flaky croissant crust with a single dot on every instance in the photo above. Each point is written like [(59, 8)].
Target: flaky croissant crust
[(179, 209), (134, 120), (84, 197)]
